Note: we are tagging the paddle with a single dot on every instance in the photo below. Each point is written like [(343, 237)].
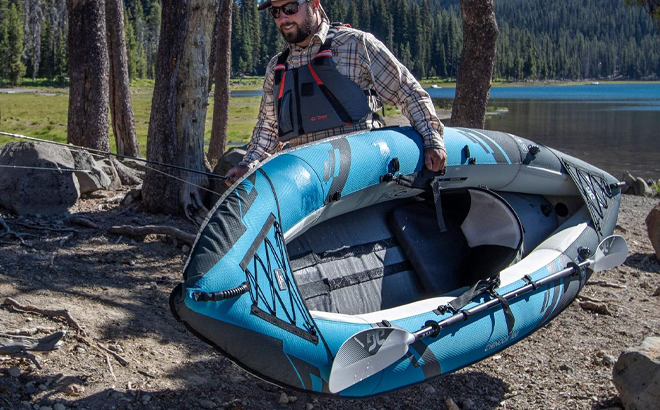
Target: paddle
[(369, 351)]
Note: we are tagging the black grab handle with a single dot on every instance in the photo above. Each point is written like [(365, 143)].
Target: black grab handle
[(222, 295)]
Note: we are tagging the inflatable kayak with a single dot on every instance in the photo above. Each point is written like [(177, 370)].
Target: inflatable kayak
[(345, 267)]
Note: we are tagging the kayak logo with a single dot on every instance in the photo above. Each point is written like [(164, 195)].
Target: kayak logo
[(498, 343), (372, 341), (318, 118)]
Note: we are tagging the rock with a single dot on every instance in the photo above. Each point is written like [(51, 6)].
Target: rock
[(207, 404), (14, 371), (109, 169), (95, 178), (609, 360), (636, 375), (630, 182), (37, 191), (59, 406), (467, 404), (653, 229), (641, 188), (451, 405), (566, 368), (284, 399)]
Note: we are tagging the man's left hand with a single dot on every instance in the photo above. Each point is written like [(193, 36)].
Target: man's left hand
[(435, 159)]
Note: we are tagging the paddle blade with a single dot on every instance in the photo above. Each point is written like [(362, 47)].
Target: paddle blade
[(611, 253), (367, 353)]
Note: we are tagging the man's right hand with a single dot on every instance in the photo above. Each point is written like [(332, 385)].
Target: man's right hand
[(235, 173)]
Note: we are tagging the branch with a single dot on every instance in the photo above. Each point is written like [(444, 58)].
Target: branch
[(4, 226), (178, 234), (78, 220), (47, 312)]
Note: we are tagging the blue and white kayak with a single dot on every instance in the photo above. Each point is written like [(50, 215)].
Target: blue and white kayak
[(344, 267)]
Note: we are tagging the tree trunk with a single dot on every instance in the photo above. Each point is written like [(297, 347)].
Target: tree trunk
[(176, 127), (475, 72), (88, 75), (121, 111), (218, 143)]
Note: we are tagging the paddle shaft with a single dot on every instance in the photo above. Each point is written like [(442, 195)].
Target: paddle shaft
[(465, 314)]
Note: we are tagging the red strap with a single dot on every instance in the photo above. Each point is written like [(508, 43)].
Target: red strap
[(324, 53), (316, 77), (282, 86)]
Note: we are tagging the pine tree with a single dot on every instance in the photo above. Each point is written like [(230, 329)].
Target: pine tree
[(151, 37), (47, 51), (60, 71), (15, 69), (131, 51), (4, 38)]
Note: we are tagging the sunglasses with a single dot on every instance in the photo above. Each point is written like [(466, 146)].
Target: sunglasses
[(289, 9)]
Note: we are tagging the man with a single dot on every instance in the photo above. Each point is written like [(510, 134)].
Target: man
[(330, 81)]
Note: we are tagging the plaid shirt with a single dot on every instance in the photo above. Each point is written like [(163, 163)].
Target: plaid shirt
[(368, 63)]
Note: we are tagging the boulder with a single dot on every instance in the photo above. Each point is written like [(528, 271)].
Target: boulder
[(32, 190), (653, 228), (108, 167), (641, 188), (630, 182), (636, 375), (96, 177)]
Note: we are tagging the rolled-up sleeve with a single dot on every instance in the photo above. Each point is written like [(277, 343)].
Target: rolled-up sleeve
[(397, 86)]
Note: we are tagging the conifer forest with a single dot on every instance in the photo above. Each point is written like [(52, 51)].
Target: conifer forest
[(538, 40)]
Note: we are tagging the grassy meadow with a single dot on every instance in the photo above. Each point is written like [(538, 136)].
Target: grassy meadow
[(42, 112)]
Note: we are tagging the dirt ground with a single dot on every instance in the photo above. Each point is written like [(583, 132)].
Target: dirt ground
[(131, 354)]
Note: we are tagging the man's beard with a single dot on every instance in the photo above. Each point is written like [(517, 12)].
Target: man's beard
[(303, 31)]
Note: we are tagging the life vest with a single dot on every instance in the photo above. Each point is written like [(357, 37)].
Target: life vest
[(316, 97)]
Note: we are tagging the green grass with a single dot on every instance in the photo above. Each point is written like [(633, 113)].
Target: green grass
[(35, 115), (656, 186), (44, 114)]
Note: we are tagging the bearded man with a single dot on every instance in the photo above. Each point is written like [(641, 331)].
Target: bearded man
[(331, 80)]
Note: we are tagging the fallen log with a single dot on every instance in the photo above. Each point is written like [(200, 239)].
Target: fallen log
[(140, 231)]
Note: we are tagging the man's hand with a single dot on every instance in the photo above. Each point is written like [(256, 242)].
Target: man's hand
[(235, 173), (435, 159)]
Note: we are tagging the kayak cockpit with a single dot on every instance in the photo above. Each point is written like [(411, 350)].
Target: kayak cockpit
[(404, 250)]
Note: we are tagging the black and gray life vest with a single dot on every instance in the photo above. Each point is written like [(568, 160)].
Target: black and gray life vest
[(316, 97)]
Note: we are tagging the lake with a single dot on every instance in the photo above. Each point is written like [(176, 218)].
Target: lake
[(615, 127)]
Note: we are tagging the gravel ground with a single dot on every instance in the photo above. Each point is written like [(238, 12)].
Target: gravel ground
[(131, 353)]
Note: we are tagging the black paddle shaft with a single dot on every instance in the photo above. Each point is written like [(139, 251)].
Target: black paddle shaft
[(433, 329)]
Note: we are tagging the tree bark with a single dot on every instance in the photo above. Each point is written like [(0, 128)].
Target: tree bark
[(218, 143), (475, 72), (88, 75), (121, 110), (176, 127)]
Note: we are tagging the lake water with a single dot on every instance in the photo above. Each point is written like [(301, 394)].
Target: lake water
[(615, 127)]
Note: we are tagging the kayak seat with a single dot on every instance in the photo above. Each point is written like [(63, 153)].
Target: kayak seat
[(482, 237), (352, 264)]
